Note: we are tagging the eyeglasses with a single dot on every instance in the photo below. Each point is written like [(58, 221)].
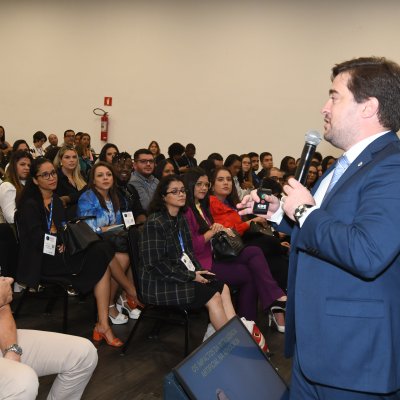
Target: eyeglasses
[(145, 161), (176, 192), (47, 175), (206, 185)]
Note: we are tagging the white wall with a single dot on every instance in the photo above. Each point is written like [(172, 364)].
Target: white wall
[(228, 76)]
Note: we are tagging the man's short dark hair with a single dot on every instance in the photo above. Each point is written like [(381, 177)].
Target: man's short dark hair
[(190, 146), (375, 77), (252, 154), (175, 149), (38, 136), (231, 159), (215, 156), (69, 130), (264, 154), (121, 156), (141, 151)]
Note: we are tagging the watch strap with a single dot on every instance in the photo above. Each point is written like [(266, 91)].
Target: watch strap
[(14, 348), (300, 211)]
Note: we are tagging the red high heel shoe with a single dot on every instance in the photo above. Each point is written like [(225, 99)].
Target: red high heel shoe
[(99, 336)]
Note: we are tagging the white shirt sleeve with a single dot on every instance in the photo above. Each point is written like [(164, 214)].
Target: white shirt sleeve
[(7, 201)]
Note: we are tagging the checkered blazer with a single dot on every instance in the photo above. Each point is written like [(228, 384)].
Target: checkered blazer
[(164, 278)]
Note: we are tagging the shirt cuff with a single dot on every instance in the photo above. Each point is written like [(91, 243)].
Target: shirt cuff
[(303, 218), (278, 216)]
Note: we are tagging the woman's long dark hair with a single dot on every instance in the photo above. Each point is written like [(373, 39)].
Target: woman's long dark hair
[(158, 171), (233, 197), (31, 190), (12, 173), (102, 155), (3, 138), (113, 190), (284, 165), (158, 203), (190, 179)]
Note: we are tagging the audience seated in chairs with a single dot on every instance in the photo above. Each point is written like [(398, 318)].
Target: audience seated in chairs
[(223, 210), (101, 200), (27, 354), (40, 217), (249, 271), (70, 183), (170, 273)]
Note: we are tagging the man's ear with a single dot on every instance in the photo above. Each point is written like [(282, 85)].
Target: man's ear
[(371, 107)]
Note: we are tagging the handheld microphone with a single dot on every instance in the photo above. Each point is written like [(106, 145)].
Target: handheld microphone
[(312, 140)]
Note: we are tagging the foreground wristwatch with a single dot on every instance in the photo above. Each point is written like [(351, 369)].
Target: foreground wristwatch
[(300, 210), (14, 348)]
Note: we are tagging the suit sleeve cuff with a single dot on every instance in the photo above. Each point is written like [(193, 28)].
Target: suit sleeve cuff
[(303, 218)]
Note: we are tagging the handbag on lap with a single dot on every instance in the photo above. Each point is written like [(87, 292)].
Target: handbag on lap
[(226, 246), (77, 236)]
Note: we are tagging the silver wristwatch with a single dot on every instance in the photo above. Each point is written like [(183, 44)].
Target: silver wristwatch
[(14, 348), (300, 210)]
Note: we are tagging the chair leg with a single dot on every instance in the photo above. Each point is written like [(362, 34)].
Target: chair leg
[(186, 353), (24, 293), (65, 314), (128, 340), (156, 330), (50, 305)]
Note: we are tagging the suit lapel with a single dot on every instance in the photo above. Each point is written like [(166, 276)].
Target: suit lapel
[(360, 162)]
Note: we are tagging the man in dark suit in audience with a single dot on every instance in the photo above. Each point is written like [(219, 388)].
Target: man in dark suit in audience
[(343, 311)]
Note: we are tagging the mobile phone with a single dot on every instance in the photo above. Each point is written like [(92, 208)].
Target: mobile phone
[(210, 278), (262, 206)]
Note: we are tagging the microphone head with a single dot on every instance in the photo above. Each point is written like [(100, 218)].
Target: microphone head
[(313, 137)]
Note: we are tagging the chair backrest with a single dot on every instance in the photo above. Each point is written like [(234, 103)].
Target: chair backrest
[(134, 255)]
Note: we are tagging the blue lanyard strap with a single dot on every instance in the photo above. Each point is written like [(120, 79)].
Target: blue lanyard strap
[(50, 216), (181, 241)]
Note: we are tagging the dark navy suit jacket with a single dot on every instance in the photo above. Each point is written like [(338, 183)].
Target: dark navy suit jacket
[(343, 308)]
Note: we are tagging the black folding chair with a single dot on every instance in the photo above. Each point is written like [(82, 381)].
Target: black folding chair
[(171, 314)]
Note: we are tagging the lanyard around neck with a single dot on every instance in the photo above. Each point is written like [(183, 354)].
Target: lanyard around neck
[(50, 216), (181, 241)]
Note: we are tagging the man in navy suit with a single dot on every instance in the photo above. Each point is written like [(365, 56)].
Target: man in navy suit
[(343, 311)]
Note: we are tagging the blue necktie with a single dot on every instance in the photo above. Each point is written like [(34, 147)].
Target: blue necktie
[(341, 165)]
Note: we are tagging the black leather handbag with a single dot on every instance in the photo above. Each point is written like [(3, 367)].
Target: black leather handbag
[(226, 246), (257, 229), (77, 236)]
